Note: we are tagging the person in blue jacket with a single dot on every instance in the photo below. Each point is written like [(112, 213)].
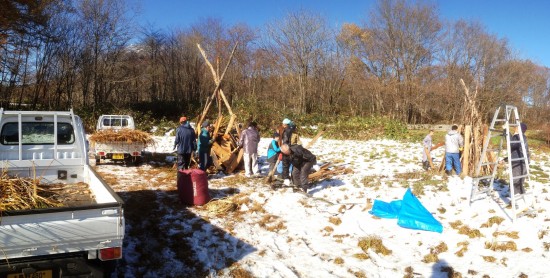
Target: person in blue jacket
[(205, 143), (273, 151), (185, 143)]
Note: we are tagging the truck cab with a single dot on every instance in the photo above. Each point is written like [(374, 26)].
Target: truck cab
[(115, 122)]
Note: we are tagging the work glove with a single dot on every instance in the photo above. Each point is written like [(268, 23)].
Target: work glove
[(280, 156), (286, 182), (316, 167)]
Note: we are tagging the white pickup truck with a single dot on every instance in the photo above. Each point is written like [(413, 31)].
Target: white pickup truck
[(80, 239), (127, 152)]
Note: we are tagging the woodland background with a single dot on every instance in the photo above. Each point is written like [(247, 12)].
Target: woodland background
[(403, 63)]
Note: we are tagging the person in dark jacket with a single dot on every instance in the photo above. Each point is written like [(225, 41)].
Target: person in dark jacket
[(302, 161), (204, 145), (519, 167), (185, 143), (273, 152)]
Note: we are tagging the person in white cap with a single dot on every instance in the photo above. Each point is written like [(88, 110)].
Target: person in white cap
[(286, 137)]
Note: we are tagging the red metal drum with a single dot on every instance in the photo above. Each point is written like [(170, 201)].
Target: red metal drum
[(193, 187)]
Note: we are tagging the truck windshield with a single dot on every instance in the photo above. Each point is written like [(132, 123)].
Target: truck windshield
[(34, 133), (115, 122)]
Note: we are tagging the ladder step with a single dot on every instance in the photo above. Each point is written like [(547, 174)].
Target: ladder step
[(514, 141), (519, 177), (500, 120), (517, 159), (482, 178)]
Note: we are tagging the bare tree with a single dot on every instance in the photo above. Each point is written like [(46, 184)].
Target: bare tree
[(300, 39), (106, 32)]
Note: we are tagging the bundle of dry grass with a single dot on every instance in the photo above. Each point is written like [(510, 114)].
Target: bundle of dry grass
[(328, 171), (24, 193), (220, 207), (122, 135)]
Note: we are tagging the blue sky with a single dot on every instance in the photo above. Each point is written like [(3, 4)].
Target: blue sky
[(526, 24)]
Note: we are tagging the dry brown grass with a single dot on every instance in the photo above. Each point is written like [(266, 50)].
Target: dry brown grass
[(361, 256), (430, 258), (339, 261), (342, 209), (271, 223), (409, 272), (463, 249), (371, 181), (493, 220), (27, 193), (375, 244), (489, 259), (440, 248), (335, 220), (220, 207), (465, 230), (123, 135), (471, 233), (512, 235), (238, 272), (455, 225), (502, 247)]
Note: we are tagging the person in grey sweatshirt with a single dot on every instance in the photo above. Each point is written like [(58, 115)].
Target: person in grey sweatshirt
[(453, 145)]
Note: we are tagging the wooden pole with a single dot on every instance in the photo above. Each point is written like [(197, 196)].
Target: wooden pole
[(230, 124), (466, 151)]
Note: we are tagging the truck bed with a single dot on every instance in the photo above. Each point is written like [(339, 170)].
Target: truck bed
[(91, 218)]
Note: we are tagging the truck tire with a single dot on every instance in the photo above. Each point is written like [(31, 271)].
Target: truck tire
[(109, 268), (128, 160), (138, 160), (97, 161)]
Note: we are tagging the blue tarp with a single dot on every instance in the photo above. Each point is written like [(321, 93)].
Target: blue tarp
[(410, 213)]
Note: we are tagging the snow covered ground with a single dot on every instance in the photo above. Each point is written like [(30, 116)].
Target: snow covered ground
[(283, 233)]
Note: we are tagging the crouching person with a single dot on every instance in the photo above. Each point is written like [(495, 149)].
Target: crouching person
[(302, 161), (273, 152)]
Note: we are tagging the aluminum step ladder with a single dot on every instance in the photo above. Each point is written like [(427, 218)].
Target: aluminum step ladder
[(505, 121)]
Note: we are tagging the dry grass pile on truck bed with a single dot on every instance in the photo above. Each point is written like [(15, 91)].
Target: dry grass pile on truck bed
[(123, 135), (27, 193)]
